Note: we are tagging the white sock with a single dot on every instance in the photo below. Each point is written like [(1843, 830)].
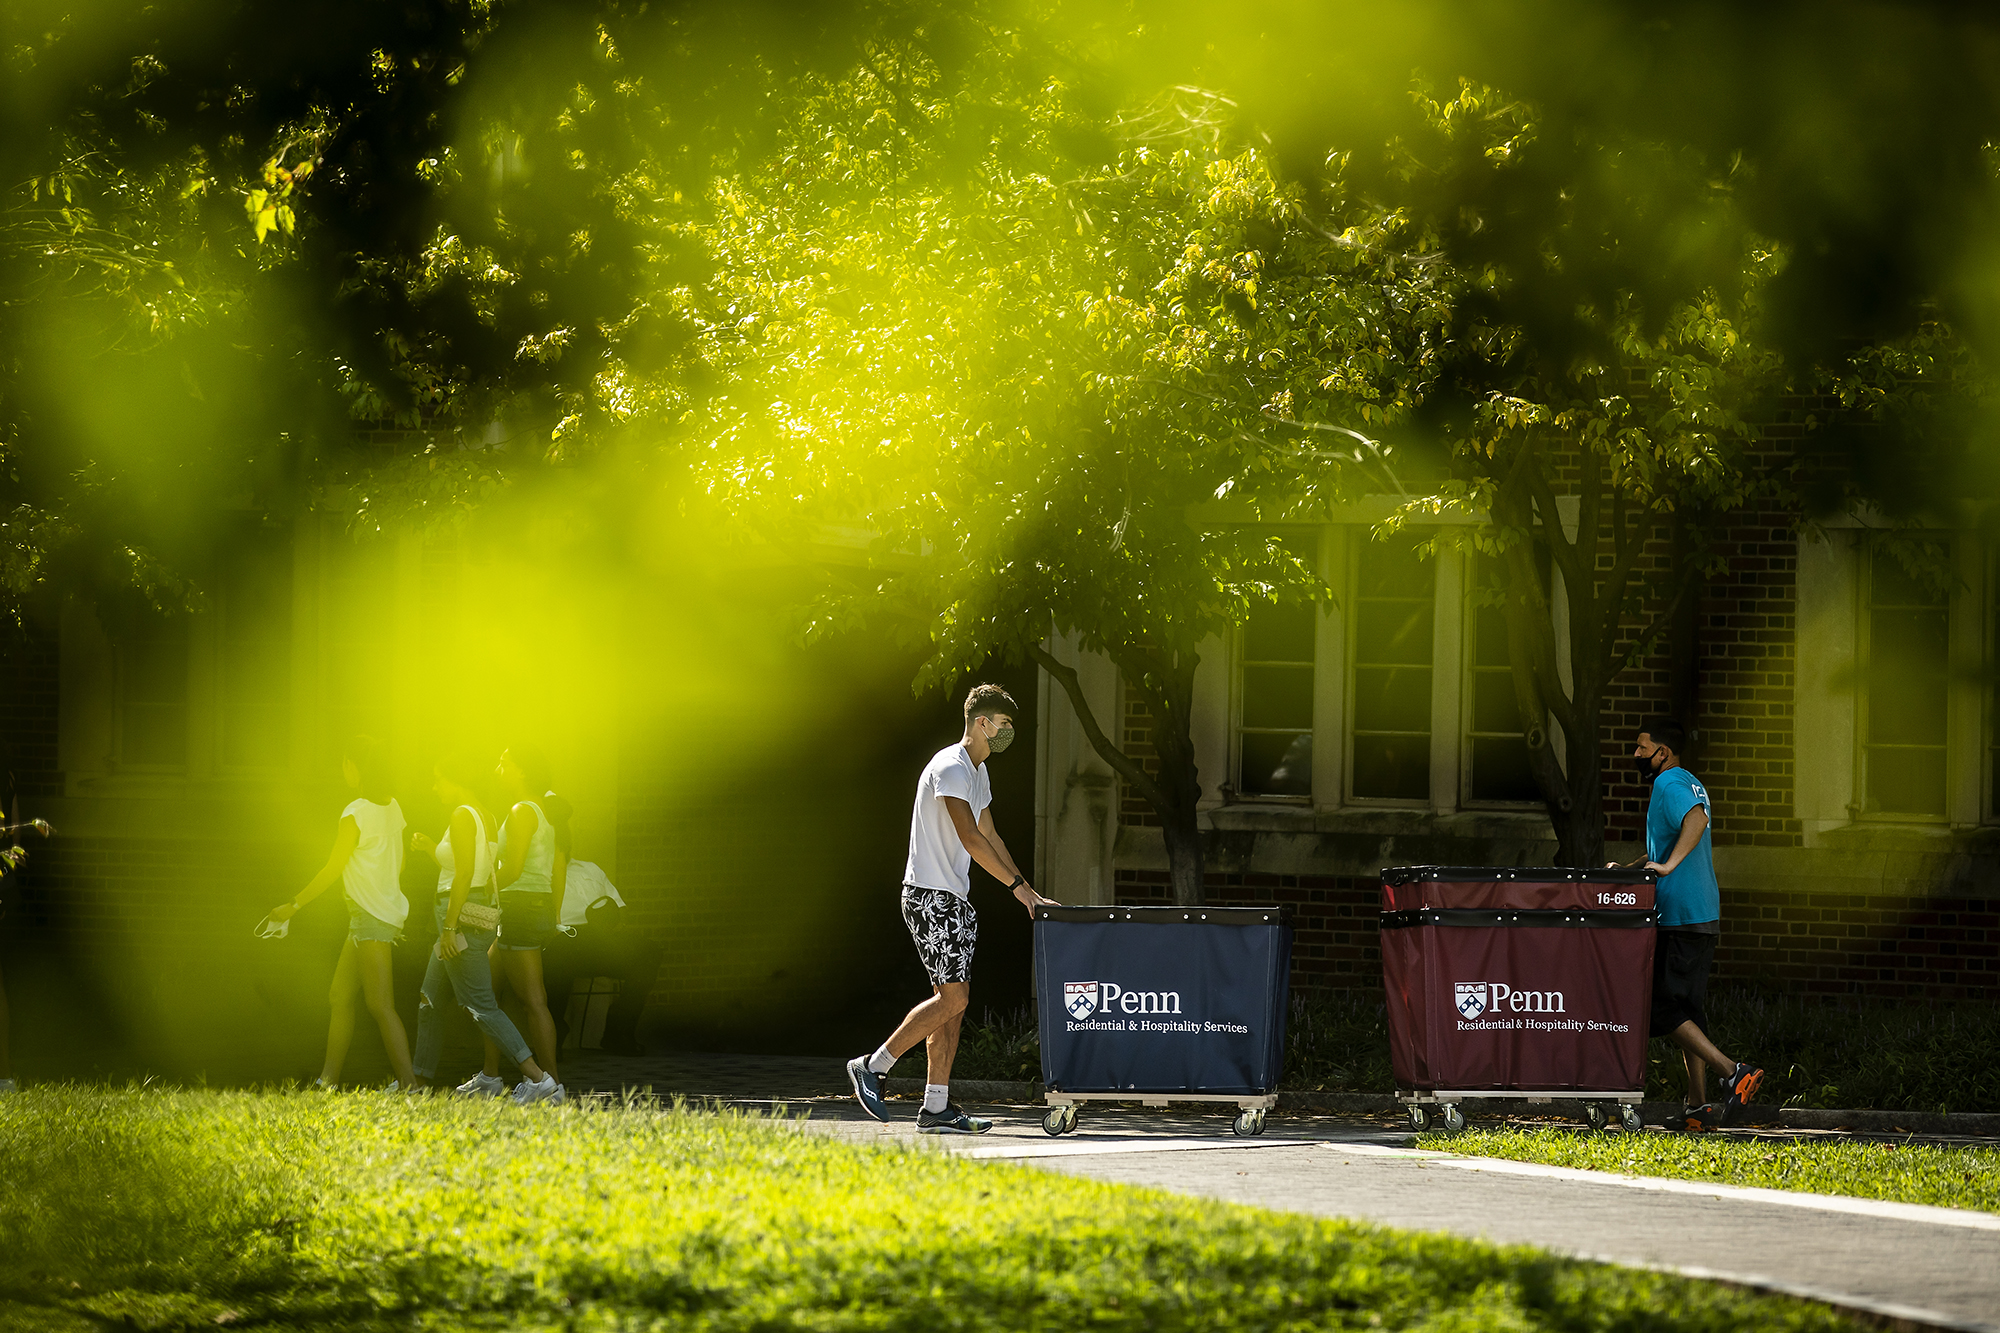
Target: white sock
[(935, 1096), (881, 1062)]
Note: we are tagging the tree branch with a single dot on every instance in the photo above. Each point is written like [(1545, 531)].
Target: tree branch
[(1121, 763)]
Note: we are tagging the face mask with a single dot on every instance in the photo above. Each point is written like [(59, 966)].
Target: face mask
[(1000, 740), (1644, 766)]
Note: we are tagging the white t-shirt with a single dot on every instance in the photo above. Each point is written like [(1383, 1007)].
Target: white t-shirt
[(373, 878), (584, 886), (938, 859)]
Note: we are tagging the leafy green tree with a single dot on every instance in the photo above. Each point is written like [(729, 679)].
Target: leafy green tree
[(1021, 371)]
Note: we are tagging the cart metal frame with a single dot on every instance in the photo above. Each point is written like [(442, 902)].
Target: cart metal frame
[(1250, 1106), (1595, 1104)]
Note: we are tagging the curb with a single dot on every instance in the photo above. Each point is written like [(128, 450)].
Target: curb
[(1970, 1124)]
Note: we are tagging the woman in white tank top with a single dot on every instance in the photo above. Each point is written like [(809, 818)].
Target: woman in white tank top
[(367, 860), (459, 965), (525, 876)]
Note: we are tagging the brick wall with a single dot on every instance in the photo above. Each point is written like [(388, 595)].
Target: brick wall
[(30, 699), (1891, 946), (1335, 944)]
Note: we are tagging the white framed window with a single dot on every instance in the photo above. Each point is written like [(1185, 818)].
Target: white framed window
[(150, 717), (1276, 659), (1903, 694), (1392, 633)]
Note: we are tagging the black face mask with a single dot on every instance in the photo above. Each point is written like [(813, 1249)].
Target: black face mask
[(1643, 765)]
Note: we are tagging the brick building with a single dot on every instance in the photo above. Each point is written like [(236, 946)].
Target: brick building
[(1844, 719)]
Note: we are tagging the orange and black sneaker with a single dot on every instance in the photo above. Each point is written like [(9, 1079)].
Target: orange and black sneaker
[(1701, 1119), (1741, 1087)]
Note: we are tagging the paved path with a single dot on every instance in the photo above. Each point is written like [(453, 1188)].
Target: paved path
[(1934, 1266)]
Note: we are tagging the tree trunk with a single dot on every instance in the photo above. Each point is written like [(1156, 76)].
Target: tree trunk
[(1580, 826)]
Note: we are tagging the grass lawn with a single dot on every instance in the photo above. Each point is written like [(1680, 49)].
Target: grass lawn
[(1948, 1177), (171, 1210)]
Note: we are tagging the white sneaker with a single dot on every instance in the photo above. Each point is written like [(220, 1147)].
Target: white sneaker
[(6, 1085), (527, 1093), (481, 1085)]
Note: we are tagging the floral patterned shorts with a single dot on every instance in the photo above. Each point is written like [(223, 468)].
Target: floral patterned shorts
[(945, 928)]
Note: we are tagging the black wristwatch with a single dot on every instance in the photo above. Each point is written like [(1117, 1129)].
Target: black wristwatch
[(1019, 880)]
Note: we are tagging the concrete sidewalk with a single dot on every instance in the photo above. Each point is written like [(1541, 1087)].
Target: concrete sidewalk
[(1929, 1267), (1933, 1267)]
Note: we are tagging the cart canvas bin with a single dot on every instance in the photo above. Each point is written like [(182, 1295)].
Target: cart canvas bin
[(1527, 982), (1162, 1004)]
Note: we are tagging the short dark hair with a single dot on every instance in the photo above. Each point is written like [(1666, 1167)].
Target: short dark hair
[(1665, 731), (371, 761), (986, 700)]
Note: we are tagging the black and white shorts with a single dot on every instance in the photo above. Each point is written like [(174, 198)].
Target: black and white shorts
[(945, 929)]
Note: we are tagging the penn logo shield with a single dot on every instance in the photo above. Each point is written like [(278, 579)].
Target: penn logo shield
[(1471, 998), (1080, 998)]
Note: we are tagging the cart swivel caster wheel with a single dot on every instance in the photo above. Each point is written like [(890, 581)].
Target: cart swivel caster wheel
[(1249, 1123), (1454, 1119), (1420, 1119), (1628, 1116), (1052, 1123), (1593, 1115)]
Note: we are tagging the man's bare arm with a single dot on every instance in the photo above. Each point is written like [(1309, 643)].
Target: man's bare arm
[(983, 841), (1692, 828), (992, 836)]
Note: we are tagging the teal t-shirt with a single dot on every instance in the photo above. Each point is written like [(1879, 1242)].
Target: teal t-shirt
[(1689, 896)]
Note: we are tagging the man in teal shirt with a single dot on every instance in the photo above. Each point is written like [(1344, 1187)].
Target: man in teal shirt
[(1678, 850)]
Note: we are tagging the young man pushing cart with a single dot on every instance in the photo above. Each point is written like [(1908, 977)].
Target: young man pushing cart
[(951, 826), (1690, 903)]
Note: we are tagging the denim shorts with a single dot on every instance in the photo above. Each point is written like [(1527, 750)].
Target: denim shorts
[(527, 920), (365, 925)]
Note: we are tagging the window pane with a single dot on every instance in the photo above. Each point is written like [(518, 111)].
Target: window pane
[(1906, 782), (1395, 571), (1392, 699), (1500, 770), (1280, 633), (1907, 689), (1397, 632), (1277, 764), (155, 734), (1278, 696), (1494, 705), (1892, 585), (1392, 767), (1489, 637)]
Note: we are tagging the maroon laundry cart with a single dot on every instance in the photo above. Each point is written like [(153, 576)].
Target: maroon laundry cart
[(1527, 982)]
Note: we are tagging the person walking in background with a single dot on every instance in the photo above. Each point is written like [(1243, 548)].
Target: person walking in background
[(1678, 850), (467, 918), (951, 826), (367, 860), (525, 876)]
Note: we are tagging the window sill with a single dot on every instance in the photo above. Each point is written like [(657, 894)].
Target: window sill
[(1380, 821)]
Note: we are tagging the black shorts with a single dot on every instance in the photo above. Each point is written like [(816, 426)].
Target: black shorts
[(1680, 979), (945, 929)]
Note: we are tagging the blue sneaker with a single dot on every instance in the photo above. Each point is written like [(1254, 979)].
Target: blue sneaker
[(867, 1086)]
